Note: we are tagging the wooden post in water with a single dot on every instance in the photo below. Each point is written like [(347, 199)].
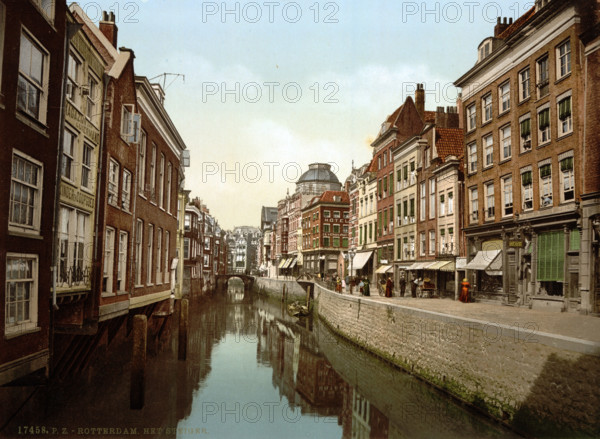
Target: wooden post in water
[(138, 362), (183, 330), (283, 293), (308, 296)]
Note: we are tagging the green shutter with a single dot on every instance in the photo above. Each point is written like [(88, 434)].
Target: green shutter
[(545, 171), (442, 232), (544, 118), (412, 207), (575, 241), (391, 182), (450, 230), (405, 208), (412, 166), (564, 108), (526, 128), (551, 256), (385, 218), (526, 178), (442, 198), (398, 175), (566, 164), (379, 191), (405, 170)]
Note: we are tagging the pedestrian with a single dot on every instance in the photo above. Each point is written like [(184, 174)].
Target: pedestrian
[(338, 284), (464, 294), (389, 285), (367, 287), (402, 284), (414, 285), (344, 284), (361, 286)]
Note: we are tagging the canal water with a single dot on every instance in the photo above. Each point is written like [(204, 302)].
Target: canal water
[(252, 371)]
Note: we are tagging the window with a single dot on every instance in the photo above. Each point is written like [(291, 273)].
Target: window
[(325, 228), (422, 248), (525, 129), (325, 242), (21, 293), (93, 94), (68, 155), (161, 180), (524, 81), (413, 174), (72, 233), (86, 166), (73, 73), (489, 201), (563, 59), (32, 87), (442, 204), (113, 182), (336, 214), (46, 6), (109, 260), (505, 142), (411, 211), (25, 193), (504, 94), (186, 248), (326, 214), (451, 239), (486, 108), (488, 150), (544, 126), (167, 267), (422, 192), (142, 164), (122, 265), (471, 117), (565, 119), (432, 198), (346, 215), (543, 77), (345, 242), (139, 235), (169, 177), (507, 196), (527, 189), (159, 256), (431, 242), (473, 196), (472, 149), (130, 124), (187, 222), (567, 180), (450, 203), (545, 185), (126, 190), (336, 242), (443, 247), (336, 228), (152, 184), (149, 255)]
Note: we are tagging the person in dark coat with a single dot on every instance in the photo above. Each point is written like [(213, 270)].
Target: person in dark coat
[(367, 287), (389, 285)]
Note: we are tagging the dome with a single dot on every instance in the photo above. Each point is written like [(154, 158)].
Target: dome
[(318, 172)]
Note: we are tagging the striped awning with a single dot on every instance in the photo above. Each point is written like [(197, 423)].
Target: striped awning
[(383, 269), (294, 262), (283, 261), (449, 267), (482, 259), (420, 265), (287, 263), (437, 265)]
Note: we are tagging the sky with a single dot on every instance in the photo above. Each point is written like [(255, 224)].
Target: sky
[(268, 87)]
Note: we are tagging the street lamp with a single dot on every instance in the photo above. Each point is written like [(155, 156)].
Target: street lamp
[(351, 253)]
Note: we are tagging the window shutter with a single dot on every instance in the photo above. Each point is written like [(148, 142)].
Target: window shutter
[(564, 108), (526, 178), (566, 164), (544, 118), (526, 128), (412, 207), (442, 232), (575, 240), (545, 171), (442, 198), (412, 166), (551, 257), (405, 171)]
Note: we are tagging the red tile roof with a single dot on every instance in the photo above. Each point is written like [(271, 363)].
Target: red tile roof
[(327, 197), (429, 116), (517, 24), (449, 141)]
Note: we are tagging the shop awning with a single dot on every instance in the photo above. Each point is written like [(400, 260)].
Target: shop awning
[(360, 259), (420, 265), (495, 268), (294, 262), (461, 263), (482, 259), (449, 267), (283, 261), (383, 269), (437, 265), (287, 263)]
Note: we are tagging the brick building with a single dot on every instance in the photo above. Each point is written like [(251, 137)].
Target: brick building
[(524, 116), (363, 262), (325, 231), (32, 43), (193, 248)]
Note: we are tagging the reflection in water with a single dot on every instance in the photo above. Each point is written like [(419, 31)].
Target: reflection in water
[(253, 371)]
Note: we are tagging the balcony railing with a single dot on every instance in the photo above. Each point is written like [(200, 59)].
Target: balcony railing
[(73, 276)]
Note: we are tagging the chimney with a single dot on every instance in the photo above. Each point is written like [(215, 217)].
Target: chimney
[(108, 27), (460, 109), (441, 119), (501, 25), (420, 100)]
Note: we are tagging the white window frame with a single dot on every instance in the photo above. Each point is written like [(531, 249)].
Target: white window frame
[(161, 181), (423, 200), (74, 73), (472, 151), (524, 84), (122, 262), (490, 201), (131, 124), (442, 204), (142, 163), (507, 196), (542, 69), (152, 184), (504, 97), (488, 150), (73, 255), (567, 179), (169, 186), (46, 7), (505, 133), (40, 86), (471, 117), (113, 182), (432, 198), (126, 191), (432, 242), (167, 272), (474, 204), (545, 135), (486, 108), (33, 204), (92, 98), (159, 256), (149, 256), (186, 248), (564, 126), (68, 164), (87, 166), (563, 60), (525, 142), (109, 260), (16, 327), (526, 190), (139, 250), (422, 243), (545, 186)]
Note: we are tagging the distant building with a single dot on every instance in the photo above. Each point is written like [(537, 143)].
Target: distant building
[(268, 217), (244, 249)]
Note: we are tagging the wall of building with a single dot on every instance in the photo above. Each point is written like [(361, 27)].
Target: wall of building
[(521, 378)]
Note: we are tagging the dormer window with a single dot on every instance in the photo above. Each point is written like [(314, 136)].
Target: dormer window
[(485, 49)]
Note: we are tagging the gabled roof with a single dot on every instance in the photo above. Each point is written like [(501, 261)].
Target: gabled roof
[(449, 141), (429, 117), (328, 197), (522, 20)]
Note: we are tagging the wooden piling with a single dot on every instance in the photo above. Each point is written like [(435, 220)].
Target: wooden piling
[(138, 362), (308, 296), (183, 330)]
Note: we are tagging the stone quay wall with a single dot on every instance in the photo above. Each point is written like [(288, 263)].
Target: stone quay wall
[(273, 288), (537, 383)]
